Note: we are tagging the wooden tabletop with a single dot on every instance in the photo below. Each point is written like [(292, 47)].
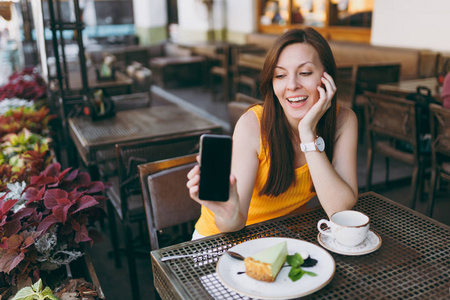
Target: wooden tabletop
[(412, 262), (133, 125), (405, 87), (75, 81)]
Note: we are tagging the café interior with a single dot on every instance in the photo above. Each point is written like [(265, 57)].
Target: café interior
[(133, 84)]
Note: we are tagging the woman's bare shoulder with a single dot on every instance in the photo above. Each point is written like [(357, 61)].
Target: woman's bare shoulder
[(345, 118), (248, 121), (247, 129)]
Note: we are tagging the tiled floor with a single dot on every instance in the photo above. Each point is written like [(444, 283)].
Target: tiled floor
[(115, 282)]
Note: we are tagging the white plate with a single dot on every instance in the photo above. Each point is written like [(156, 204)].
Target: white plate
[(370, 244), (283, 287)]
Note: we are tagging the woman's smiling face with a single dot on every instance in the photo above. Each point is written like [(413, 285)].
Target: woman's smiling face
[(297, 75)]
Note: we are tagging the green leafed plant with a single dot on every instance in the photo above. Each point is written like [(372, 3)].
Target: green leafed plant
[(35, 291)]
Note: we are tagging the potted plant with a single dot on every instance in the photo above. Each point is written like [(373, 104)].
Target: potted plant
[(45, 224), (23, 155), (26, 84), (35, 120)]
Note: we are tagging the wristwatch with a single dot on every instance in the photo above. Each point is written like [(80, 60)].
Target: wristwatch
[(317, 145)]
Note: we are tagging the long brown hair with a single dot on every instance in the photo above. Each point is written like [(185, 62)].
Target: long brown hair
[(277, 135)]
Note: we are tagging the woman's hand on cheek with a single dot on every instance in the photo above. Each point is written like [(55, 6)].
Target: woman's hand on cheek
[(307, 126)]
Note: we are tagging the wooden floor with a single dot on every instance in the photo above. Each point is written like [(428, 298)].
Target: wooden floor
[(115, 282)]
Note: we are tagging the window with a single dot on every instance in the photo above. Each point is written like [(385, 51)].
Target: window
[(335, 19)]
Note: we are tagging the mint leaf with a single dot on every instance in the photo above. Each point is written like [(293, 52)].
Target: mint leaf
[(294, 260), (310, 273), (296, 273)]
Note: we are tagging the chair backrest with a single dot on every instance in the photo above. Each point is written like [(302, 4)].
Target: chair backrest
[(137, 55), (166, 197), (130, 155), (366, 77), (391, 117), (440, 129), (237, 107)]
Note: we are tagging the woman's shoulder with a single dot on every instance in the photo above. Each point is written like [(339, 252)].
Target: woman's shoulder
[(250, 120), (346, 118), (247, 129)]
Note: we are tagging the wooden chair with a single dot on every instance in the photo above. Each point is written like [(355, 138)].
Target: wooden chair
[(391, 126), (365, 77), (246, 68), (166, 198), (223, 71), (125, 194), (440, 150), (107, 158), (240, 104)]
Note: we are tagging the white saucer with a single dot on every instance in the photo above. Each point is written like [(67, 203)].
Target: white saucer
[(370, 244)]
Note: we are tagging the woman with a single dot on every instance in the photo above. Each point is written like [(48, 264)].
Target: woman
[(278, 161)]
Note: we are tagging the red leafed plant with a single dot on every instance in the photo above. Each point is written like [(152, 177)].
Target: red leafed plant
[(22, 156), (37, 121), (26, 84), (47, 226)]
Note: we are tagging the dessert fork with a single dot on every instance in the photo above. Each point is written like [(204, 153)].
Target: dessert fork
[(231, 253)]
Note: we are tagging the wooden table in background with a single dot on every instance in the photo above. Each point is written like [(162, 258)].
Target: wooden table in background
[(412, 262), (405, 87), (133, 125), (122, 84)]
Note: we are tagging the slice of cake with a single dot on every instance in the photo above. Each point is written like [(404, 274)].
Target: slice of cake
[(266, 264)]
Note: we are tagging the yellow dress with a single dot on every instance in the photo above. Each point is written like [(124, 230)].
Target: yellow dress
[(263, 207)]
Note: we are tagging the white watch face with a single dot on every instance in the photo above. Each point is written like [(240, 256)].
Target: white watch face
[(320, 144)]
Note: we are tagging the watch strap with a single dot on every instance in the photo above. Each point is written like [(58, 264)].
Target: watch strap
[(317, 145), (307, 147)]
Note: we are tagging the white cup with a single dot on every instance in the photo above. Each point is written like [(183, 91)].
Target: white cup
[(349, 227)]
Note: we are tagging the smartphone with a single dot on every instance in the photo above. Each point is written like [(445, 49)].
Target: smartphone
[(215, 167)]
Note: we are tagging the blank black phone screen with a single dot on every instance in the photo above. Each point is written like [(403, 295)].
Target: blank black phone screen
[(215, 167)]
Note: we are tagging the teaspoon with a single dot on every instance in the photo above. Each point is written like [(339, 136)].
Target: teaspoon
[(231, 253)]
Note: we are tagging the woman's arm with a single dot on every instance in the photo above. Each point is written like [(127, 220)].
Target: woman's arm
[(232, 214), (335, 183)]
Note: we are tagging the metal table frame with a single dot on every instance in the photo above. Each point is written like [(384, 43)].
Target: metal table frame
[(412, 263)]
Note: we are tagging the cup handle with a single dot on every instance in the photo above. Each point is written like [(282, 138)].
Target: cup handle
[(328, 232)]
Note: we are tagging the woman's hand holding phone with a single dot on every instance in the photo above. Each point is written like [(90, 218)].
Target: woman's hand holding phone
[(210, 183)]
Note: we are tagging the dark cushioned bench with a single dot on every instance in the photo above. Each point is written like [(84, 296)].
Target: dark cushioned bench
[(177, 69)]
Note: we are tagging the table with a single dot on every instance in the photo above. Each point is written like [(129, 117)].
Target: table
[(122, 84), (90, 137), (405, 87), (412, 262)]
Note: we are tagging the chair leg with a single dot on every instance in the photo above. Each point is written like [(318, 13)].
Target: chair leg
[(226, 88), (421, 183), (213, 89), (431, 192), (114, 234), (154, 243), (131, 262), (387, 162), (369, 169), (414, 187)]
